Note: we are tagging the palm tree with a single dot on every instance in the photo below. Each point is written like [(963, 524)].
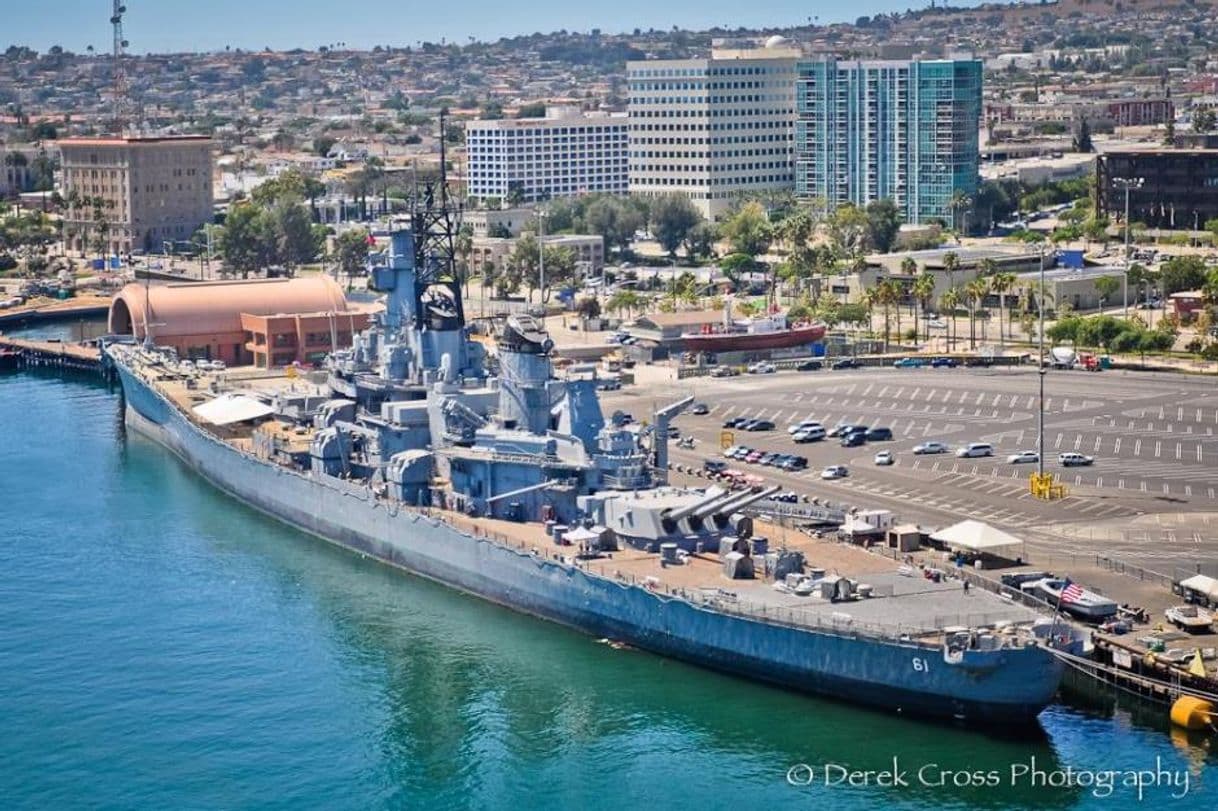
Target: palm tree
[(974, 292), (951, 263), (871, 297), (888, 294), (1002, 283), (950, 301), (909, 269), (924, 291)]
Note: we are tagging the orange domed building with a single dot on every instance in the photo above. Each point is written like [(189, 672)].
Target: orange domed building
[(261, 322)]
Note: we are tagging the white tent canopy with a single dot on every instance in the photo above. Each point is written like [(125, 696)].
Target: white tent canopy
[(230, 408), (580, 534), (1202, 585), (975, 536)]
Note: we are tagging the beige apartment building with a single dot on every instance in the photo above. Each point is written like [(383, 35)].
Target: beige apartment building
[(714, 129), (153, 191)]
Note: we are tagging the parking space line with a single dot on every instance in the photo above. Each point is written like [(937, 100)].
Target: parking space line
[(1158, 447), (1117, 449), (1137, 447), (1177, 450)]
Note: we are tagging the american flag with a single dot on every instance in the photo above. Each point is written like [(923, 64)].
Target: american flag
[(1072, 593)]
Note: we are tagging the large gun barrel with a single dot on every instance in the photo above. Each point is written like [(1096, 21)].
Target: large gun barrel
[(740, 502)]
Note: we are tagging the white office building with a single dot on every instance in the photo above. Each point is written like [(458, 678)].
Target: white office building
[(714, 129), (530, 159)]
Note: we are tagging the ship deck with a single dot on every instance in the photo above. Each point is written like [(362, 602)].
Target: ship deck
[(905, 603)]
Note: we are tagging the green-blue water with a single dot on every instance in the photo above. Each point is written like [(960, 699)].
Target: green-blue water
[(163, 647)]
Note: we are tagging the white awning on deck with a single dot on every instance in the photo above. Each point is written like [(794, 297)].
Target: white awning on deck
[(230, 408)]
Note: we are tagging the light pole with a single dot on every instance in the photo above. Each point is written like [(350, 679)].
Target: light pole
[(541, 260), (1040, 411), (1127, 183)]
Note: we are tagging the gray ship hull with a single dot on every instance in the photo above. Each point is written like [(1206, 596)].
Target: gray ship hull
[(1001, 687)]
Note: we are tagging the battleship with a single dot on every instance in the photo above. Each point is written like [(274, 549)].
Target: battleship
[(480, 468)]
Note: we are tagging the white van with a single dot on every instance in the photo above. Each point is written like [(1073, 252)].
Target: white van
[(974, 449)]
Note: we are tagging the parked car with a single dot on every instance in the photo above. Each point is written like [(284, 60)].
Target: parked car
[(730, 453), (802, 426), (759, 425), (742, 453), (854, 440), (943, 363), (700, 409), (931, 447), (609, 384), (723, 371), (809, 366), (975, 449), (735, 422), (835, 472), (674, 432), (879, 435), (754, 456), (845, 363), (908, 363), (794, 462), (1072, 459), (842, 428), (767, 458), (884, 458), (937, 323), (714, 465), (809, 435), (1023, 457), (762, 368)]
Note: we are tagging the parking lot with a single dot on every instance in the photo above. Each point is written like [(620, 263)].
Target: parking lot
[(1152, 437)]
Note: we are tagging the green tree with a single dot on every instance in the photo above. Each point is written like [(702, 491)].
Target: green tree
[(1000, 285), (1182, 273), (924, 291), (848, 231), (248, 242), (322, 145), (291, 183), (1082, 137), (749, 230), (615, 220), (672, 218), (974, 293), (296, 241), (883, 224), (951, 263), (1203, 120), (950, 302), (1105, 286), (351, 253)]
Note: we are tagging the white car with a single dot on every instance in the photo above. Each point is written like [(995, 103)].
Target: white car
[(1074, 459), (937, 323), (762, 368), (803, 426), (834, 472), (975, 449), (730, 453), (1022, 457), (885, 458), (930, 447), (809, 435)]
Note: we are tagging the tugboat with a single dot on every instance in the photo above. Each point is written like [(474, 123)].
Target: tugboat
[(748, 334)]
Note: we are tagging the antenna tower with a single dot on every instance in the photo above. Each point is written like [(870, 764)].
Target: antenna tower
[(121, 86)]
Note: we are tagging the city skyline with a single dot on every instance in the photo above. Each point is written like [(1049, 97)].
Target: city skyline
[(178, 25)]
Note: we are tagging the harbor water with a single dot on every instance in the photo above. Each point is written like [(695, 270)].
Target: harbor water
[(163, 646)]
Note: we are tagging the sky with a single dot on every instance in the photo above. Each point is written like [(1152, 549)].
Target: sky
[(203, 25)]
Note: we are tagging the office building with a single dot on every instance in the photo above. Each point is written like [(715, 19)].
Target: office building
[(903, 130), (530, 159), (1168, 188), (153, 191), (713, 129)]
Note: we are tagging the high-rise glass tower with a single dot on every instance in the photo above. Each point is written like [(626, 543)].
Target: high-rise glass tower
[(905, 130)]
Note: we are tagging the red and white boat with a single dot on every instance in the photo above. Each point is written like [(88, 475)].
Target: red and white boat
[(747, 334)]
